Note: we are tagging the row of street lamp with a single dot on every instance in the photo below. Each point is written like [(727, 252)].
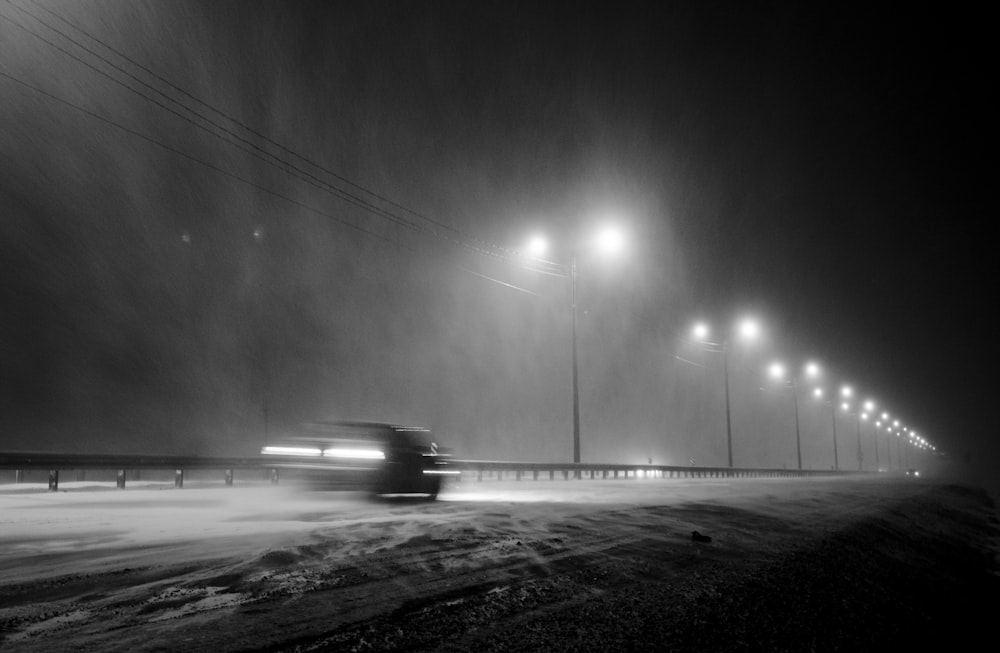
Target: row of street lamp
[(747, 330), (610, 241)]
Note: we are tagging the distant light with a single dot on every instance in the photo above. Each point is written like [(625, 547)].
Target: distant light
[(812, 369), (846, 391), (258, 233), (538, 246), (368, 454), (864, 416), (748, 329), (186, 237), (869, 405), (700, 331), (291, 451), (610, 240), (846, 406), (818, 393), (776, 370)]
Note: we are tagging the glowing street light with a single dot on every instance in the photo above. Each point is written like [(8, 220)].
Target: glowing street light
[(538, 246), (899, 444), (747, 329), (610, 241), (883, 423), (869, 409), (818, 394), (847, 392), (777, 371)]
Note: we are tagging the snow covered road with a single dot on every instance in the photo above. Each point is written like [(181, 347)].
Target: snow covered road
[(263, 567)]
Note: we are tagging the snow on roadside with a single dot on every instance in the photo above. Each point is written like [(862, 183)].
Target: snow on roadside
[(124, 562)]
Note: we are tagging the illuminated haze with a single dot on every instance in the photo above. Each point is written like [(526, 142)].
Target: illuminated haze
[(155, 303)]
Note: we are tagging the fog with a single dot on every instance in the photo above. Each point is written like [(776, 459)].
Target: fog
[(220, 220)]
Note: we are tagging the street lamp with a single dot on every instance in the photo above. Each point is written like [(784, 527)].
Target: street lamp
[(888, 441), (609, 240), (869, 408), (847, 392), (777, 371), (899, 444), (747, 330), (818, 393), (876, 425)]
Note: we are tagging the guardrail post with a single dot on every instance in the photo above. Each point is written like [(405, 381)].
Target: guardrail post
[(18, 476), (53, 480), (552, 474), (274, 476), (229, 477), (534, 475), (178, 478), (565, 474), (120, 479), (480, 477)]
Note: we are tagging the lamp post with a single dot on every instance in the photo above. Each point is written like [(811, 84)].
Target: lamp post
[(818, 393), (860, 455), (576, 377), (609, 240), (847, 409), (876, 425), (869, 410), (777, 371), (747, 330), (847, 392), (899, 446), (888, 441)]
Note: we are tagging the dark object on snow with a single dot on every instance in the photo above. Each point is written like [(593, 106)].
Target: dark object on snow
[(698, 537)]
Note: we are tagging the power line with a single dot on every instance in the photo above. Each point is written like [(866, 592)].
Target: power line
[(491, 251), (276, 162), (227, 173), (190, 157), (225, 115)]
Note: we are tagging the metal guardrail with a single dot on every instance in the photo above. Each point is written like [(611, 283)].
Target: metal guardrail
[(478, 470), (490, 469), (122, 463)]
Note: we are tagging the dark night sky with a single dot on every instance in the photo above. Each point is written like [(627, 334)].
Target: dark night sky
[(820, 166)]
